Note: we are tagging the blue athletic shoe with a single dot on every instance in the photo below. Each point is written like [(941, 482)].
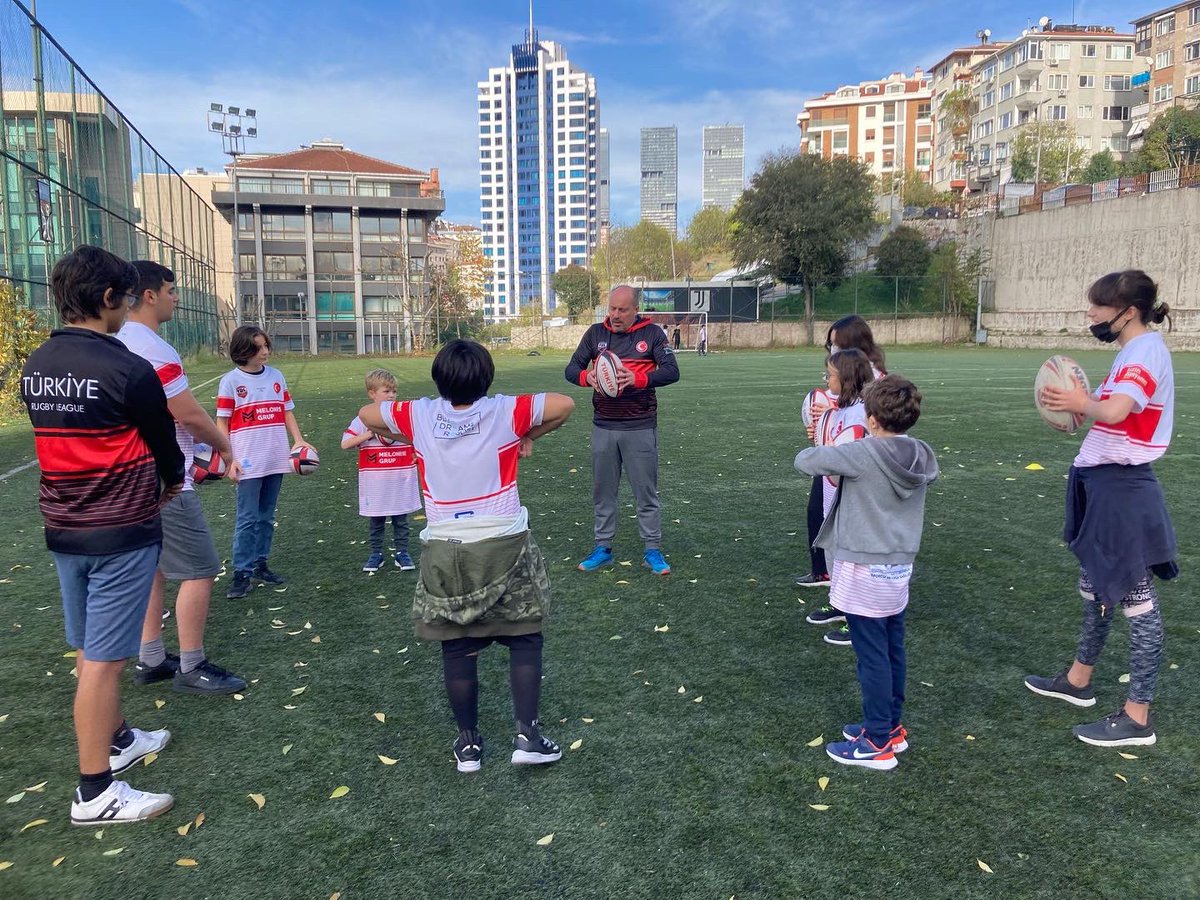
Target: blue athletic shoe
[(601, 556), (861, 752), (653, 560), (898, 737), (404, 562), (374, 563)]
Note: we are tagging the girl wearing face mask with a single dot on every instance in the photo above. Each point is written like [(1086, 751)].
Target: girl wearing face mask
[(1117, 522)]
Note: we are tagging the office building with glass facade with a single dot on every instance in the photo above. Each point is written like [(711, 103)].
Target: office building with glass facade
[(660, 177), (724, 165)]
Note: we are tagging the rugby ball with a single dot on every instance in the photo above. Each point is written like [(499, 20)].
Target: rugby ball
[(305, 461), (1061, 372), (821, 399), (606, 367), (207, 464)]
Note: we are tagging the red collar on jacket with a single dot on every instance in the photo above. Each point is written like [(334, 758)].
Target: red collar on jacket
[(639, 322)]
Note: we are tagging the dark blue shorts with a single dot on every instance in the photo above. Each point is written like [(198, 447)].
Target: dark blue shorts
[(105, 599)]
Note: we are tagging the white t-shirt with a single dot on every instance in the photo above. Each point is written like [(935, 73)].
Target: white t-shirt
[(1143, 371), (467, 457), (387, 475), (255, 406), (865, 590), (147, 344), (839, 426)]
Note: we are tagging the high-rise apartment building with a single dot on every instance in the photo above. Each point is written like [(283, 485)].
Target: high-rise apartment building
[(538, 173), (604, 194), (886, 124), (660, 177), (1077, 74), (724, 162), (950, 82), (1170, 40)]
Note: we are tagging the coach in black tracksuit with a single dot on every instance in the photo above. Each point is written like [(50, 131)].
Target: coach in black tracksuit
[(625, 427)]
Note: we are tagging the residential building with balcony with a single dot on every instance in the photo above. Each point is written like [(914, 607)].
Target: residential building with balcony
[(887, 124), (1078, 74), (950, 83), (1169, 40), (331, 247)]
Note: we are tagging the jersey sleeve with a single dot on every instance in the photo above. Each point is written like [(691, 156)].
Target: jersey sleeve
[(397, 415), (287, 395), (528, 410), (170, 374), (355, 428), (1139, 379), (225, 399)]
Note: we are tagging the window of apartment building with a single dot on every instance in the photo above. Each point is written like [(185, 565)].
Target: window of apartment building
[(1001, 150), (383, 268), (1163, 92), (870, 135), (869, 158), (1060, 50), (1087, 51), (1115, 113), (339, 187), (889, 134), (1084, 111), (984, 128), (989, 72), (1057, 112), (283, 226), (1084, 142), (333, 266), (889, 112), (1142, 38), (416, 228), (1117, 143), (895, 89), (1118, 51), (1192, 85), (1087, 81), (924, 109), (1164, 25), (1006, 91), (246, 223), (1006, 120), (1191, 51), (871, 112), (1026, 86), (271, 185), (925, 133), (1194, 15), (373, 188), (1164, 59), (1006, 63), (889, 159), (1117, 82), (841, 141), (247, 264), (1057, 82), (1031, 50), (285, 267), (985, 154), (924, 159), (331, 226)]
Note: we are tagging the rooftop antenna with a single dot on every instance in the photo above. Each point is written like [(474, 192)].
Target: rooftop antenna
[(530, 23)]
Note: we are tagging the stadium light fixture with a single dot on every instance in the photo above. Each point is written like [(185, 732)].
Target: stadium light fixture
[(235, 110), (216, 107), (251, 113), (234, 128)]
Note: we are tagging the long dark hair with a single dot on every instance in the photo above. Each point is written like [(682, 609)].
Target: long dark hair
[(854, 372), (1133, 287), (854, 333)]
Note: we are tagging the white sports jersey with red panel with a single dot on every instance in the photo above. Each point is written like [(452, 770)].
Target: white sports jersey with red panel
[(839, 426), (147, 344), (388, 484), (256, 406), (467, 458)]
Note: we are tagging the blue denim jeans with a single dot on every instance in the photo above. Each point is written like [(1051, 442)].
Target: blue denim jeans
[(255, 528), (879, 646), (104, 600)]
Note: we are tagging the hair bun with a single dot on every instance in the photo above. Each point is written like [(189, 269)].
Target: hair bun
[(1161, 312)]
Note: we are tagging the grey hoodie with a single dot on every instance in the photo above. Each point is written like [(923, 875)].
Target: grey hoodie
[(879, 511)]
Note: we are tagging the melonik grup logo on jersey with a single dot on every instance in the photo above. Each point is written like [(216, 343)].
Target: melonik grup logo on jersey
[(241, 391), (642, 346), (278, 388)]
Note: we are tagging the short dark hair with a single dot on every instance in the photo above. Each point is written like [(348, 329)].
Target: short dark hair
[(151, 276), (80, 279), (894, 401), (463, 371), (854, 372), (241, 344), (1135, 288)]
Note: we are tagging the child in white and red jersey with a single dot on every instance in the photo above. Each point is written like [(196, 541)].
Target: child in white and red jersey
[(388, 487), (1117, 522), (255, 409)]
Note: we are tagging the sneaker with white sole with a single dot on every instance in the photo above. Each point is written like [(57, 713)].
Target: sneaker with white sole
[(839, 637), (811, 580), (826, 615), (532, 748), (468, 751), (861, 752), (144, 674), (374, 562), (897, 737), (404, 562), (1117, 730), (119, 803), (144, 743), (1060, 688), (208, 678)]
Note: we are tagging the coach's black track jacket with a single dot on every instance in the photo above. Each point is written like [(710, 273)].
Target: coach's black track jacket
[(644, 350)]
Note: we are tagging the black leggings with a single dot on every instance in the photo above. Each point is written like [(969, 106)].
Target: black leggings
[(460, 665), (816, 518)]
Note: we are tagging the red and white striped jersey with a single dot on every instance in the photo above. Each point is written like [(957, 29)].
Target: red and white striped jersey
[(839, 426), (467, 458), (255, 406), (150, 346), (388, 484), (1143, 371), (868, 590)]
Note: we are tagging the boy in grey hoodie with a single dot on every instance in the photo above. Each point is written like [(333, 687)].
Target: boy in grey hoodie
[(872, 535)]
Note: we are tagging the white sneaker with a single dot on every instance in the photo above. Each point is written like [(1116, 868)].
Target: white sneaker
[(144, 743), (119, 803)]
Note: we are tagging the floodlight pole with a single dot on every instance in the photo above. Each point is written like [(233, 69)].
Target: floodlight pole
[(230, 123)]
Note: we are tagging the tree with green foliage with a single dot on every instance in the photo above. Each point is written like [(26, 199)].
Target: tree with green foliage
[(903, 253), (1101, 167), (644, 250), (798, 220), (1059, 147), (953, 277), (1172, 140), (914, 190), (576, 288), (20, 335), (708, 232)]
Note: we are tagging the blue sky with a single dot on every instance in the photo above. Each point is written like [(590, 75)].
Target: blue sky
[(396, 79)]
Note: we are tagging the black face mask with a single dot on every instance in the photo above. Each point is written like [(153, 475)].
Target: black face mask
[(1103, 331)]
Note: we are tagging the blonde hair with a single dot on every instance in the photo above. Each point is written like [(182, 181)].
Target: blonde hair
[(380, 378)]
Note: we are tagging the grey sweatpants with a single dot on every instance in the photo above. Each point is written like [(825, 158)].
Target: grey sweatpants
[(637, 453)]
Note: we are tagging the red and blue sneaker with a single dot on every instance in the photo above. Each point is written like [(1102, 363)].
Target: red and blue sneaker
[(654, 561), (861, 752), (897, 737), (601, 556)]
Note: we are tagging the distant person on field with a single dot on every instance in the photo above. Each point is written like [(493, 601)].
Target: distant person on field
[(254, 407), (388, 486), (482, 577), (702, 343), (625, 427), (189, 555), (106, 447), (675, 339), (872, 536), (1116, 520)]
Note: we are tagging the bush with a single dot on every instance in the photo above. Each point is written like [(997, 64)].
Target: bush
[(20, 335)]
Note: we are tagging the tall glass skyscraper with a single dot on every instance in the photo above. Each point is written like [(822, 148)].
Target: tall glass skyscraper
[(604, 208), (538, 173), (724, 165), (660, 176)]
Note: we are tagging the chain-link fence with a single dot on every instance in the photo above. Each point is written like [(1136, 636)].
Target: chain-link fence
[(74, 170)]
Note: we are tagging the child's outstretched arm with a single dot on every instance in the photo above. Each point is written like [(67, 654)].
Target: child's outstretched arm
[(555, 412), (847, 460)]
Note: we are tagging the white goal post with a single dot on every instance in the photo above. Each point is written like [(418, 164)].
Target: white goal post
[(689, 325)]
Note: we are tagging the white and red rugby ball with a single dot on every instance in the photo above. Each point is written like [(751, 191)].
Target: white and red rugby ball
[(821, 399), (305, 461), (607, 365), (1061, 372), (207, 464)]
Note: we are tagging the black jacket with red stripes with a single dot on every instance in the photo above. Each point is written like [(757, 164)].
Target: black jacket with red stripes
[(105, 440), (645, 351)]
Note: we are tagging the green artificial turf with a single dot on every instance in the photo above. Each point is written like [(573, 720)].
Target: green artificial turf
[(695, 696)]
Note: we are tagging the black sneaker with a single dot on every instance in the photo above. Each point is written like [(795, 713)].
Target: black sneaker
[(826, 615), (144, 674), (265, 575), (531, 748), (811, 580), (468, 751), (239, 587), (1117, 730), (207, 678), (839, 638), (1061, 689)]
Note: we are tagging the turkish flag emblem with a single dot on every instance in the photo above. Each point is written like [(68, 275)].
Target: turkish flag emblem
[(642, 346)]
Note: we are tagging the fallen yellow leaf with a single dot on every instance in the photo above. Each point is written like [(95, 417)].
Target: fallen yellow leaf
[(316, 639), (682, 690), (662, 627), (199, 820), (58, 862), (699, 699), (296, 692), (1124, 679), (15, 798), (577, 744), (239, 697), (819, 807), (187, 862), (149, 758), (290, 706), (34, 824), (183, 829), (622, 582), (969, 737), (339, 792), (816, 742), (985, 867), (5, 864), (4, 718), (387, 760), (336, 895), (70, 654), (545, 841), (114, 852), (287, 748), (259, 800), (381, 717), (1115, 775), (627, 563), (159, 704), (587, 721), (823, 782), (1122, 755)]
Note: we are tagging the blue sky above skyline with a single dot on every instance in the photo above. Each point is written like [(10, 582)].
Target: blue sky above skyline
[(390, 81)]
